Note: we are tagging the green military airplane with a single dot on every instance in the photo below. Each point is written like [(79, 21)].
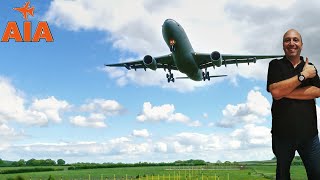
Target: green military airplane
[(184, 59)]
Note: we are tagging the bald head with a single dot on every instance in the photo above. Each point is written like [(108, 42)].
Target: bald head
[(290, 32), (292, 45)]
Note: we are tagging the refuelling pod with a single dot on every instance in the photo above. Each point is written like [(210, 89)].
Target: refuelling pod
[(150, 62)]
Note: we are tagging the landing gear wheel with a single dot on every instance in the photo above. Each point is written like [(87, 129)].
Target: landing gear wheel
[(170, 77), (208, 76)]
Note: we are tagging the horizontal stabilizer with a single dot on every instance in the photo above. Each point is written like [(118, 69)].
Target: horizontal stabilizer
[(210, 77)]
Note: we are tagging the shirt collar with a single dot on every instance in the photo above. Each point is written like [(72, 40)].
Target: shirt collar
[(288, 61)]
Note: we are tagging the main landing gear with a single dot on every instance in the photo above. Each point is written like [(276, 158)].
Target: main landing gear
[(170, 77), (205, 75)]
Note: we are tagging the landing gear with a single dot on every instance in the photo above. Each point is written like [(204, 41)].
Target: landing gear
[(205, 75), (170, 77)]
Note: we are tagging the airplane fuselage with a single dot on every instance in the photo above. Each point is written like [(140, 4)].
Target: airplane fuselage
[(175, 37)]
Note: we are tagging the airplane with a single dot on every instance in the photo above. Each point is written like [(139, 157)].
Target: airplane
[(25, 10), (184, 59)]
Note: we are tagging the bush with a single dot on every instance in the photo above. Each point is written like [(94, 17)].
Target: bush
[(16, 178), (24, 170), (50, 178)]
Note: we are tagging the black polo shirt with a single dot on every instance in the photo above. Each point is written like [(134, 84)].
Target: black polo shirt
[(292, 118)]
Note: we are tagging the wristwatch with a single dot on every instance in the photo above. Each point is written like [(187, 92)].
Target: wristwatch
[(301, 77)]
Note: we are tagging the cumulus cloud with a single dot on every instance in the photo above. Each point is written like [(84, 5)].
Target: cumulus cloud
[(103, 106), (164, 113), (141, 133), (254, 110), (94, 121), (161, 147), (250, 138), (251, 135), (95, 113), (51, 107), (9, 134), (13, 107), (262, 21), (205, 115)]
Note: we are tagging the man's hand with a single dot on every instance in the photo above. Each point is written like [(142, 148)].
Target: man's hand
[(309, 71)]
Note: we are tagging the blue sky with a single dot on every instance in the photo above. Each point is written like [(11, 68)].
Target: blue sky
[(59, 101)]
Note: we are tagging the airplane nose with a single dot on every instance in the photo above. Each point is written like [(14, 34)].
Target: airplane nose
[(168, 21)]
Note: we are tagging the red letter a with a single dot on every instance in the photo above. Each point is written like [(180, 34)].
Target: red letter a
[(11, 32)]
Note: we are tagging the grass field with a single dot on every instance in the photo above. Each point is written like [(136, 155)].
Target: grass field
[(251, 172)]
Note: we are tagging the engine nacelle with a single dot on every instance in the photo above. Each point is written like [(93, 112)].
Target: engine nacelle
[(150, 62), (216, 58)]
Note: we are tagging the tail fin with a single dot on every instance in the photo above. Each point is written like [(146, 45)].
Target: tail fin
[(31, 11)]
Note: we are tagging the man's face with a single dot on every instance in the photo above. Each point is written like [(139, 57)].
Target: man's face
[(292, 44)]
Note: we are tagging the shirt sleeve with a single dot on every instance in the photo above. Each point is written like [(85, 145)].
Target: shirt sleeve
[(316, 81), (274, 73)]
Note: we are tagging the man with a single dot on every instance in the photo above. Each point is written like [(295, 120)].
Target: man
[(294, 85)]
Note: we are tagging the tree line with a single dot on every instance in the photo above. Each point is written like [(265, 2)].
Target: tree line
[(33, 162), (83, 165)]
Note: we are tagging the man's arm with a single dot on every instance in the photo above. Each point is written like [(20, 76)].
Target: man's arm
[(284, 88), (305, 93)]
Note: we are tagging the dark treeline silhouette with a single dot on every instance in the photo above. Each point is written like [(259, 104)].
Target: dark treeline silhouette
[(32, 162)]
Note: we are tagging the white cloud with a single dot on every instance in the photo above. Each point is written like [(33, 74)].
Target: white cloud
[(102, 106), (252, 135), (96, 112), (211, 147), (195, 124), (50, 107), (164, 113), (93, 121), (13, 107), (161, 147), (141, 133), (205, 115), (157, 113), (254, 110), (8, 135)]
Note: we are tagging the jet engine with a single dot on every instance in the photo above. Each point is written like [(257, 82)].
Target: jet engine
[(150, 62), (216, 58)]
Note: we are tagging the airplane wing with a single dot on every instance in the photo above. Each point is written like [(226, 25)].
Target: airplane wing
[(203, 59), (165, 62)]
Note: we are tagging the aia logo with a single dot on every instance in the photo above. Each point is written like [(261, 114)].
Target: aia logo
[(12, 30)]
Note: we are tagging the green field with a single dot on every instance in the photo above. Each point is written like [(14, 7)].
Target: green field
[(250, 172)]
